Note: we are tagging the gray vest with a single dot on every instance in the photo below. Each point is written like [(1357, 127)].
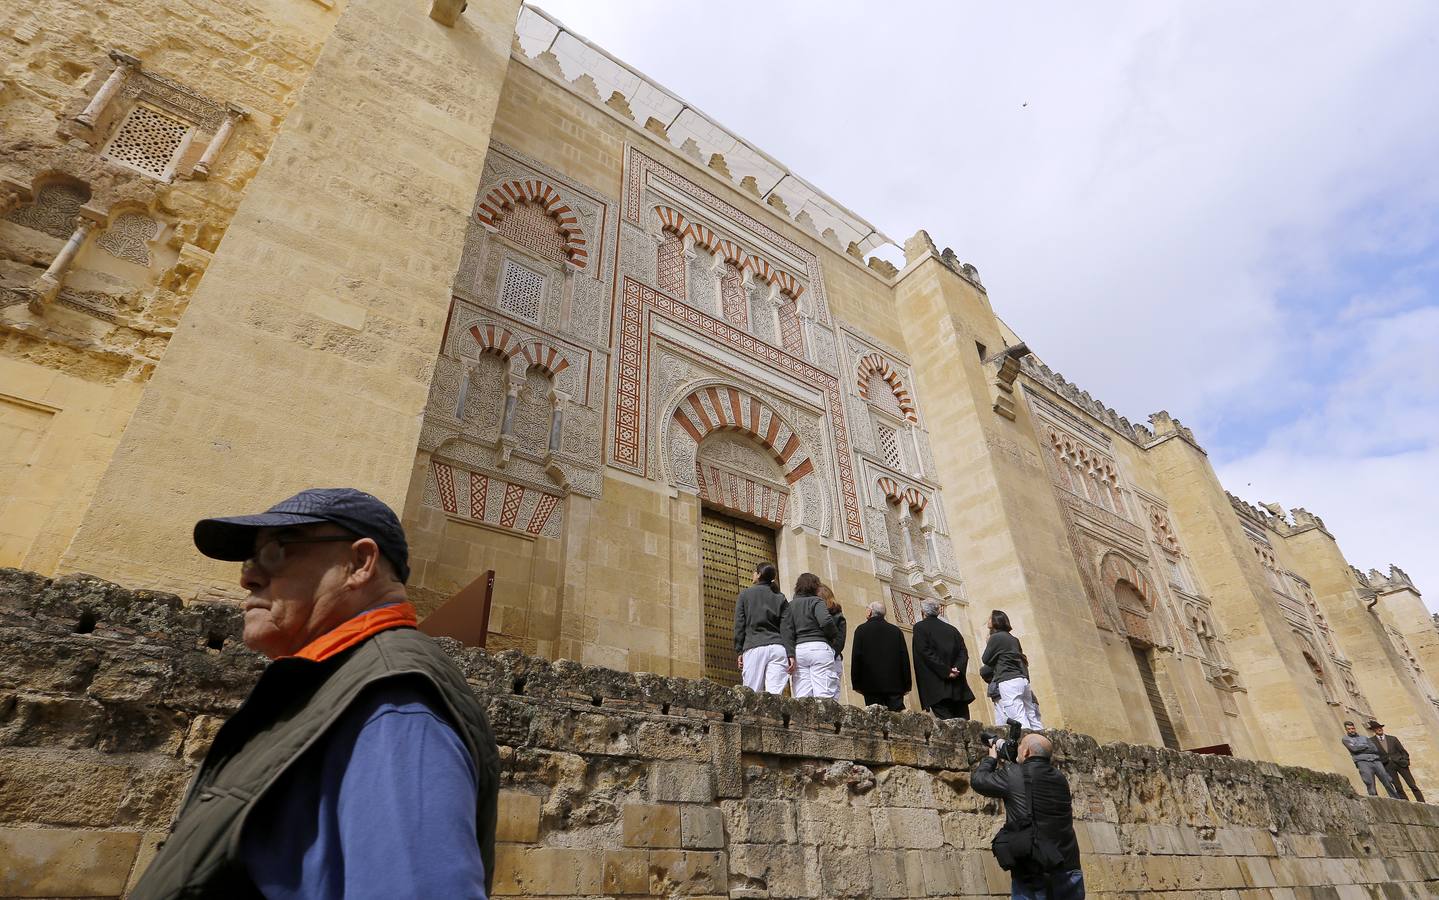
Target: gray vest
[(292, 707)]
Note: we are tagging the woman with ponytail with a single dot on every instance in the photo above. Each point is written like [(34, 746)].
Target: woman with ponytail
[(760, 619)]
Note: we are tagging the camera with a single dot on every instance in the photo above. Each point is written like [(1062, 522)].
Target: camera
[(1007, 744)]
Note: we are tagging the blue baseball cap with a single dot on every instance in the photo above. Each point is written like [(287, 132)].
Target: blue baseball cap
[(233, 538)]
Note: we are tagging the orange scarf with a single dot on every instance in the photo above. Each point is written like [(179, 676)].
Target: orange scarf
[(360, 628)]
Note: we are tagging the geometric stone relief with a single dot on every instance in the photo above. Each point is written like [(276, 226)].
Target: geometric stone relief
[(128, 238), (54, 209), (492, 500), (641, 306)]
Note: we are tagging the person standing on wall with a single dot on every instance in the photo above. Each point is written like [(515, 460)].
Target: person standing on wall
[(765, 659), (361, 764), (879, 661), (837, 612), (1368, 760), (1009, 675), (940, 660), (1395, 759), (811, 631)]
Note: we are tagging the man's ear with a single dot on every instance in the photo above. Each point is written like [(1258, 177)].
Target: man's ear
[(365, 562)]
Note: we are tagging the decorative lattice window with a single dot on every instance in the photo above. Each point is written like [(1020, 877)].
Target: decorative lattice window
[(529, 226), (149, 141), (882, 395), (888, 440), (521, 290)]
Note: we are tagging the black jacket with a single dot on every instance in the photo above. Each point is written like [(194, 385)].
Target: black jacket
[(879, 660), (1054, 808), (1392, 752), (759, 614), (1004, 657), (938, 647)]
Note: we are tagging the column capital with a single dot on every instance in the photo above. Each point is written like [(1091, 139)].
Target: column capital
[(124, 60)]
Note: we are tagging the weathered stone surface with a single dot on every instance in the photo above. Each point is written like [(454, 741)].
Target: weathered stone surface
[(594, 804)]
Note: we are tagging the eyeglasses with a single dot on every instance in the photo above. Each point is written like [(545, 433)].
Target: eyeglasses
[(271, 555)]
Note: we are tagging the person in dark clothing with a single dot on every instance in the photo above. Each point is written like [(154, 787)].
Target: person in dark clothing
[(764, 656), (1053, 817), (940, 658), (809, 632), (879, 661), (1395, 760), (1007, 668), (836, 612)]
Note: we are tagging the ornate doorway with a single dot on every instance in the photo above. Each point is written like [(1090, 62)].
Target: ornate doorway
[(729, 550)]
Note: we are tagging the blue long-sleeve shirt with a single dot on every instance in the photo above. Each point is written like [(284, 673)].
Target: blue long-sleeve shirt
[(384, 807)]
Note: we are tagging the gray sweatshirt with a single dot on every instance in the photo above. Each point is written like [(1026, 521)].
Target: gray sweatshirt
[(1361, 748), (759, 616), (809, 620)]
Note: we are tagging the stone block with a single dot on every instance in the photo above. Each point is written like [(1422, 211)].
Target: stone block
[(760, 821), (701, 828), (832, 825), (150, 843), (904, 786), (519, 817), (844, 872), (46, 862), (687, 872), (891, 876), (768, 870), (651, 825), (1257, 872), (939, 870), (677, 782), (199, 737), (55, 789), (725, 756), (547, 871), (626, 872), (907, 828)]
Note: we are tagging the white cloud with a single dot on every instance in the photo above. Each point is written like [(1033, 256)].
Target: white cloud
[(1226, 210)]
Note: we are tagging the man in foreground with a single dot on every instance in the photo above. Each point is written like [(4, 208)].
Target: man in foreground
[(1395, 759), (1036, 795), (879, 661), (361, 765), (1365, 754)]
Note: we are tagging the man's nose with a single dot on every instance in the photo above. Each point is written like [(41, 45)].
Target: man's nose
[(252, 578)]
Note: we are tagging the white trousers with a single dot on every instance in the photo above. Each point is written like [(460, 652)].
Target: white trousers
[(814, 670), (1016, 701), (766, 669), (838, 676)]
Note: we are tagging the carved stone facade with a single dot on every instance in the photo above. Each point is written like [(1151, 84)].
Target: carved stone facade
[(566, 323)]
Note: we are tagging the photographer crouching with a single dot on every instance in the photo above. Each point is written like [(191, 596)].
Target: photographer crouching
[(1037, 844)]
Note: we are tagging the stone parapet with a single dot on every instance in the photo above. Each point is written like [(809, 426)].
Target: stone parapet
[(619, 784)]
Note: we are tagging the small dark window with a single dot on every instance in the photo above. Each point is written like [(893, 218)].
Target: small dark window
[(982, 353), (86, 625)]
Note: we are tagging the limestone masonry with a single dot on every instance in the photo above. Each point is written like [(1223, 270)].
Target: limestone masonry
[(589, 340), (618, 784)]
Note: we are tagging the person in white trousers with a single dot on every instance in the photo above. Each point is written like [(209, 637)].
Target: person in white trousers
[(810, 629), (764, 657), (1008, 670), (837, 612)]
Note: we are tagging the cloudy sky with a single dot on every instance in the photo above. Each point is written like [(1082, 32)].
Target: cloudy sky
[(1229, 211)]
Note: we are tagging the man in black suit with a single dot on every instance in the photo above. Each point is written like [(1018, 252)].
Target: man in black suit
[(1395, 759), (879, 661), (940, 659)]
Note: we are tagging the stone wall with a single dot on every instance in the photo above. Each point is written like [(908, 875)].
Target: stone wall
[(637, 785)]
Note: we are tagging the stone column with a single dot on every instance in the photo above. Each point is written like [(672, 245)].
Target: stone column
[(195, 446), (931, 548), (905, 536), (124, 65), (467, 372), (558, 399), (217, 143), (49, 283)]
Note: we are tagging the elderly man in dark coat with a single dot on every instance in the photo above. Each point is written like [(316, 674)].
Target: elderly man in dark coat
[(879, 662), (1395, 759), (940, 660)]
